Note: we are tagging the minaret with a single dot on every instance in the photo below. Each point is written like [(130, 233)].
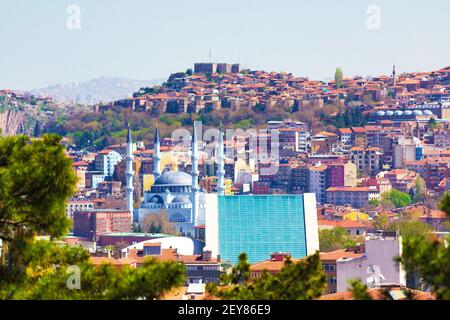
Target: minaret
[(194, 174), (394, 79), (220, 165), (129, 172), (156, 155), (394, 82), (194, 159)]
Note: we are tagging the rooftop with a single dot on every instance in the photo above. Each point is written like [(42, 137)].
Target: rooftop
[(340, 254)]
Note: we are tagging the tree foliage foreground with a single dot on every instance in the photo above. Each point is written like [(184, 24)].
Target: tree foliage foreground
[(36, 179), (303, 280)]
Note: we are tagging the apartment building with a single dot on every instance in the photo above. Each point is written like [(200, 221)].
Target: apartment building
[(357, 197), (368, 160)]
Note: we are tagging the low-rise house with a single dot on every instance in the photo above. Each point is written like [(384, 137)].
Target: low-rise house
[(437, 219), (328, 260), (376, 266), (354, 228), (401, 179), (116, 263), (273, 265), (200, 268)]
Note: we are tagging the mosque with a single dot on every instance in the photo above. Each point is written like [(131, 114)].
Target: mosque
[(175, 192)]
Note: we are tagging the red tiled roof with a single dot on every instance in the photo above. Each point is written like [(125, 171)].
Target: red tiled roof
[(358, 129), (339, 254), (346, 224), (80, 163), (345, 130), (351, 189)]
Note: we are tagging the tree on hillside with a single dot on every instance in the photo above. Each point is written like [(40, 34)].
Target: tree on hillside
[(381, 222), (410, 228), (335, 238), (36, 181), (374, 203), (420, 190), (303, 280), (159, 223), (429, 257), (432, 123), (397, 198), (338, 77), (350, 117)]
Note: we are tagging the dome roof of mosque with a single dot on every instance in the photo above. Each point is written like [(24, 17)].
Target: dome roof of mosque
[(175, 178)]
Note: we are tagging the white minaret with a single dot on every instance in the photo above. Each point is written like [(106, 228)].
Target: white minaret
[(194, 174), (156, 155), (220, 165), (194, 158), (129, 172)]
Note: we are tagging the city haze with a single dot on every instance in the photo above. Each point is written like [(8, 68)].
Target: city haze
[(150, 39)]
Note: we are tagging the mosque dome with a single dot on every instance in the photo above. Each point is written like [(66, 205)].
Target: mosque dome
[(156, 200), (175, 178), (181, 199)]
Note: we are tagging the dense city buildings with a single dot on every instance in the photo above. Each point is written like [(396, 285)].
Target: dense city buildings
[(266, 192)]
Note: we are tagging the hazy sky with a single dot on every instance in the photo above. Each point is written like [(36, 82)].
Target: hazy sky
[(147, 39)]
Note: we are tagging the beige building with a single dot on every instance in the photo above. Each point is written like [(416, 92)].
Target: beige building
[(350, 174), (80, 169), (367, 160)]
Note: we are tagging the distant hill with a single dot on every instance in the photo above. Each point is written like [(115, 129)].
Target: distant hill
[(95, 90)]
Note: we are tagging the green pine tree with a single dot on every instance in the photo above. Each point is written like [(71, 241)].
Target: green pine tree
[(303, 280), (36, 179)]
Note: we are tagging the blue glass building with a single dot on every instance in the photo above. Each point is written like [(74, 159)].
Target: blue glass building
[(260, 225)]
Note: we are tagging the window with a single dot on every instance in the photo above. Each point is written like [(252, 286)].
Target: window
[(329, 267)]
